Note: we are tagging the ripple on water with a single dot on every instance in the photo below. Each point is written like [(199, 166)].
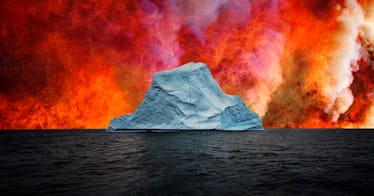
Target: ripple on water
[(184, 163)]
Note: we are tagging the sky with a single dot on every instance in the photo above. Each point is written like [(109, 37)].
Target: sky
[(77, 64)]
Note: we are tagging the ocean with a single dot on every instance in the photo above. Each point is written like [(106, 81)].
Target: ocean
[(270, 162)]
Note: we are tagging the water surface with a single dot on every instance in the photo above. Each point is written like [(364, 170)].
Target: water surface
[(276, 162)]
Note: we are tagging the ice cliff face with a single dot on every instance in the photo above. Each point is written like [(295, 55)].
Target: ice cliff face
[(188, 97)]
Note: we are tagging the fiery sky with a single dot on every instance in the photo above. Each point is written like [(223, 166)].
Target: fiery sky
[(77, 64)]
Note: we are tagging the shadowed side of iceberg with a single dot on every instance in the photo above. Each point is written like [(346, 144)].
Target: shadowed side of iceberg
[(187, 98), (238, 117)]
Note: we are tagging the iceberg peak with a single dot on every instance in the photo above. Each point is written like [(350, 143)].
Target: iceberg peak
[(188, 67), (187, 98)]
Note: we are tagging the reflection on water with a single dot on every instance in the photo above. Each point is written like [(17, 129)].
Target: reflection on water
[(185, 163)]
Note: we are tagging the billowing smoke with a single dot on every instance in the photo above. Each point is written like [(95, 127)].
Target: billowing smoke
[(368, 26), (71, 64), (198, 15), (343, 61)]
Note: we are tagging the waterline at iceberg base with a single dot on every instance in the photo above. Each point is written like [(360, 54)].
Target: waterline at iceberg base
[(187, 98)]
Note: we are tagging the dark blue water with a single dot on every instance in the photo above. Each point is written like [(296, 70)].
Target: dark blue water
[(275, 162)]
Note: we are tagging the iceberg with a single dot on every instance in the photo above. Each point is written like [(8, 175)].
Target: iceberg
[(187, 98)]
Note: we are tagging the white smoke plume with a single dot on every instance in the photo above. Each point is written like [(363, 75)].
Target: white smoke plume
[(198, 14), (339, 71), (165, 24), (368, 26), (368, 30)]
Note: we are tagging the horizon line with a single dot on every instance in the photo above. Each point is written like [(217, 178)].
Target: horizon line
[(104, 129)]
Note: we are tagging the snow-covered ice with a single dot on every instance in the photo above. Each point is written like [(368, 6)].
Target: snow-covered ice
[(187, 98)]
